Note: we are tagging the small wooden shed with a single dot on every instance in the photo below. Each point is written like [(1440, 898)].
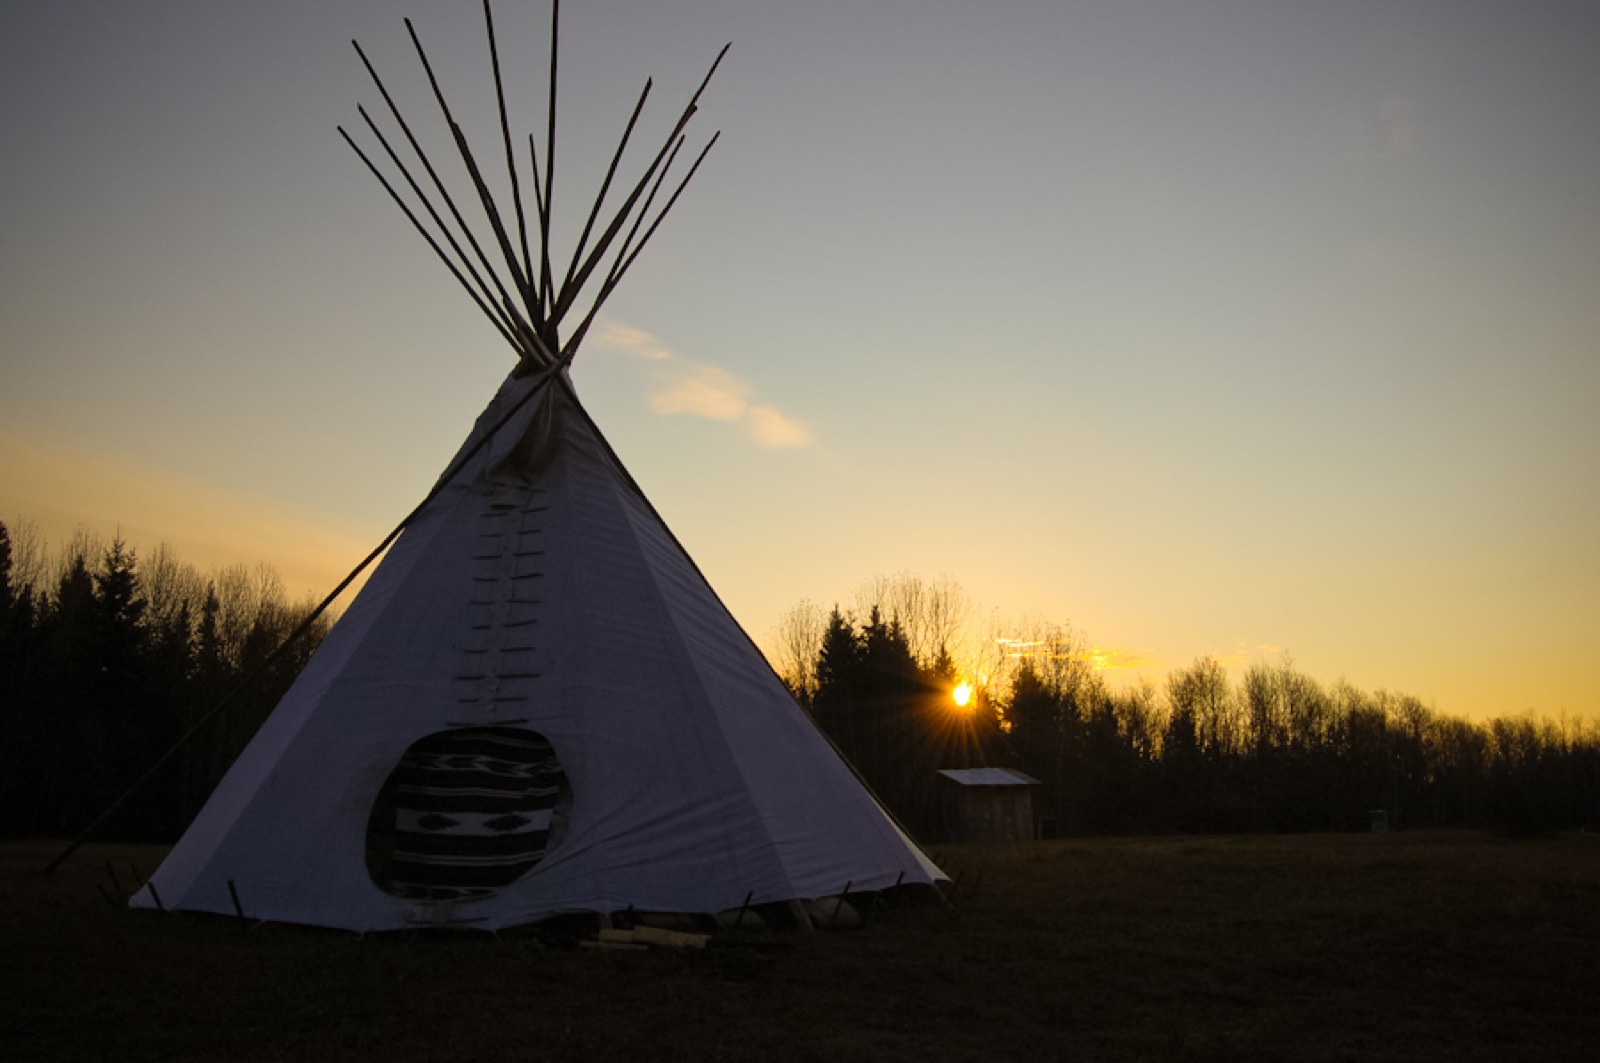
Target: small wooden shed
[(986, 804)]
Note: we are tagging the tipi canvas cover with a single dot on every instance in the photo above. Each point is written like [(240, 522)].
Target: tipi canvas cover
[(539, 595), (536, 704)]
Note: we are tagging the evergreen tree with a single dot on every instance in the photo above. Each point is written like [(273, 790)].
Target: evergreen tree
[(833, 703), (1033, 718), (876, 705), (19, 724), (7, 595), (102, 671)]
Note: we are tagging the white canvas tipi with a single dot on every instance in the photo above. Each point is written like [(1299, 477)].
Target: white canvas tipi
[(536, 704)]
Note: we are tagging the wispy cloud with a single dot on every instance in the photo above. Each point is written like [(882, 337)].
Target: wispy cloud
[(686, 386), (615, 336), (703, 390), (1246, 653), (1120, 659), (774, 428)]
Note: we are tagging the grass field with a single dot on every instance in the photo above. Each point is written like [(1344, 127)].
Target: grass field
[(1399, 946)]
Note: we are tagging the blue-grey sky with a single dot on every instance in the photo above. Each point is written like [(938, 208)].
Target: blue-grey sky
[(1224, 327)]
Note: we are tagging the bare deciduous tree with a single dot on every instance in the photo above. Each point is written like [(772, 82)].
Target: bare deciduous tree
[(29, 566), (932, 614), (797, 639), (172, 588), (1202, 692)]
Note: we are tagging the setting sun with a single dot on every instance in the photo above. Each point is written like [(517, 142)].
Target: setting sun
[(962, 694)]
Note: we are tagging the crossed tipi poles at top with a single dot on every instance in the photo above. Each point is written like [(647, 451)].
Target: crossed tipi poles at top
[(528, 307)]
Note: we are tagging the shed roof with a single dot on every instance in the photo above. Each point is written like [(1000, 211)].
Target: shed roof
[(988, 777)]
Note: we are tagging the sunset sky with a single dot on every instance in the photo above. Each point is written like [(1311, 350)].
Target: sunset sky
[(1230, 328)]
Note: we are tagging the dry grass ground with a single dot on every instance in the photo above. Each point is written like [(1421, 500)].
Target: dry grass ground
[(1402, 946)]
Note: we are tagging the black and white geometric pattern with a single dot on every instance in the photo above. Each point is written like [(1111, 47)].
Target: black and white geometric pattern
[(472, 812)]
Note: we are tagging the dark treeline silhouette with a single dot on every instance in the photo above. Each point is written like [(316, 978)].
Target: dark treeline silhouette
[(106, 659), (1276, 751)]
